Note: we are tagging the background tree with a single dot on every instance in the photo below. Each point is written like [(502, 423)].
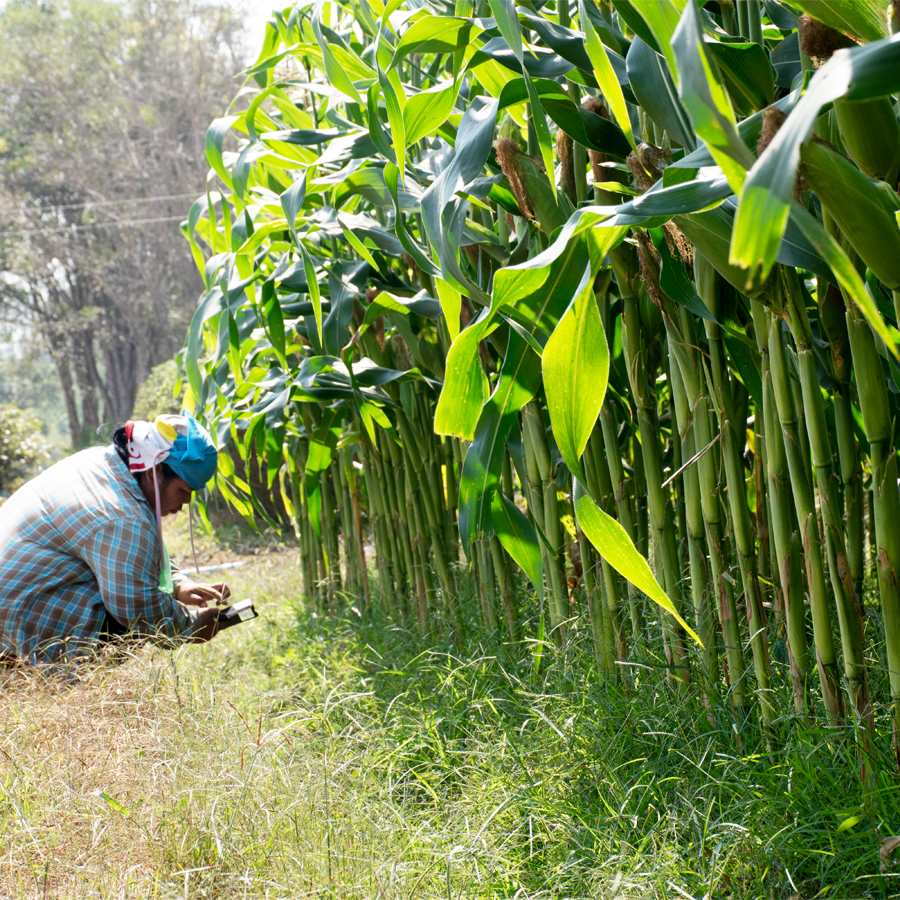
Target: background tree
[(23, 449), (103, 112)]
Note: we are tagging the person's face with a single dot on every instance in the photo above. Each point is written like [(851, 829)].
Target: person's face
[(173, 494)]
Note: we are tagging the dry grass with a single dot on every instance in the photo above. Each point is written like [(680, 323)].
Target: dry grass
[(218, 771), (98, 771), (67, 747)]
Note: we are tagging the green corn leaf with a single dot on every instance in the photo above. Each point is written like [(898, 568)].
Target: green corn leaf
[(394, 102), (656, 93), (508, 22), (711, 232), (352, 66), (250, 115), (230, 342), (244, 508), (629, 14), (424, 113), (543, 131), (786, 61), (552, 210), (387, 302), (313, 288), (539, 295), (703, 193), (211, 305), (190, 226), (369, 183), (465, 386), (473, 146), (346, 281), (262, 71), (706, 101), (859, 74), (371, 416), (274, 454), (528, 337), (243, 165), (662, 16), (366, 18), (611, 36), (274, 321), (848, 278), (259, 235), (746, 73), (864, 210), (321, 449), (570, 45), (749, 130), (271, 40), (583, 126), (603, 72), (215, 135), (336, 73), (292, 202), (539, 291), (434, 34), (575, 366), (747, 367), (611, 541), (538, 63), (520, 377), (781, 17), (391, 178), (358, 245), (451, 304), (519, 539), (216, 245), (865, 20), (377, 134)]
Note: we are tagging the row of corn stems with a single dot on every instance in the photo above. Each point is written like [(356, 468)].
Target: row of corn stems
[(746, 449)]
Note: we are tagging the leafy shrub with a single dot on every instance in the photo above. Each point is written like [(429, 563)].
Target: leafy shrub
[(24, 450), (156, 396)]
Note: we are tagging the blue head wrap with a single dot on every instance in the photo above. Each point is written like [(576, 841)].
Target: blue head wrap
[(193, 456)]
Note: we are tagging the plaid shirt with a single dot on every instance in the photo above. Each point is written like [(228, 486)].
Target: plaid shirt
[(78, 542)]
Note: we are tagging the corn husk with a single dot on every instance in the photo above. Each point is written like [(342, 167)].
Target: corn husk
[(862, 208), (870, 133)]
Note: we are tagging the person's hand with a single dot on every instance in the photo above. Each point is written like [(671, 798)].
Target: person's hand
[(191, 594), (208, 624)]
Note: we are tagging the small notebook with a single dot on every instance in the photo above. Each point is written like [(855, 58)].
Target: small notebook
[(242, 611)]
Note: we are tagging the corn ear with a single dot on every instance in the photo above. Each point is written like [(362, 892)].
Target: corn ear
[(710, 233), (863, 210), (870, 133), (532, 187)]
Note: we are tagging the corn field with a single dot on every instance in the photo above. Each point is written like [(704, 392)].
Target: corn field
[(600, 295)]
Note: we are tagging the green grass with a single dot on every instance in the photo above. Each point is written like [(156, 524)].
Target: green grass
[(341, 756)]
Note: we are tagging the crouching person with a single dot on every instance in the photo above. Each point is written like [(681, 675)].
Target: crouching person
[(81, 550)]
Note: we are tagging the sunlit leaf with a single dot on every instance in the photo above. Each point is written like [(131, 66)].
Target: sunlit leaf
[(519, 538), (611, 541), (575, 366)]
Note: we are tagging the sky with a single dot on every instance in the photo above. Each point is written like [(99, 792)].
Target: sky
[(255, 13)]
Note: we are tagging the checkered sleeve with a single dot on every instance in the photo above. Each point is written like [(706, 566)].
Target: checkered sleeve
[(123, 556)]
